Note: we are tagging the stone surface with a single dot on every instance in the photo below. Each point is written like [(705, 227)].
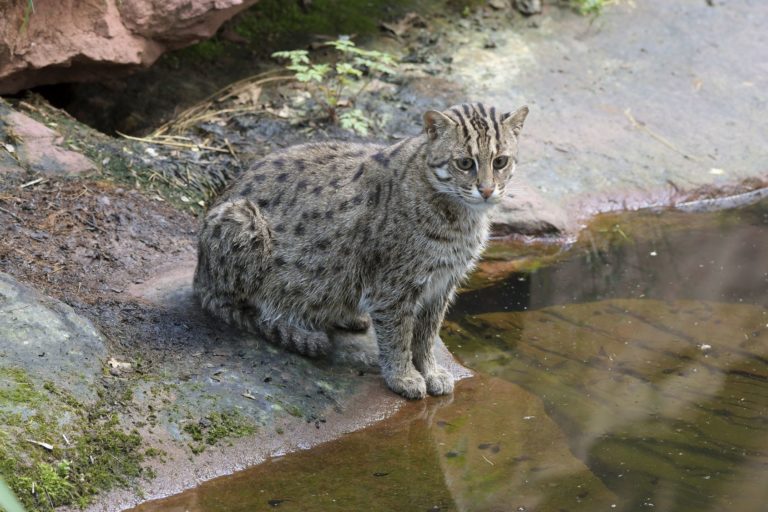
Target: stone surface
[(35, 147), (48, 340), (528, 7), (525, 210), (77, 41), (295, 402), (8, 164), (652, 103)]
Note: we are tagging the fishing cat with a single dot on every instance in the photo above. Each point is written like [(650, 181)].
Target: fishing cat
[(333, 234)]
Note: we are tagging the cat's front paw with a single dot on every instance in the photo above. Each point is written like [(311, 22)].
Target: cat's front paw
[(439, 382), (411, 385)]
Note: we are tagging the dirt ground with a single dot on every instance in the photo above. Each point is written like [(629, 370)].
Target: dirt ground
[(84, 242)]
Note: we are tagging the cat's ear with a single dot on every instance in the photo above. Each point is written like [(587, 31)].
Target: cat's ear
[(435, 122), (514, 120)]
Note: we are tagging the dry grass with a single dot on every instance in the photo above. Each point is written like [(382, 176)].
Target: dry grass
[(237, 98), (211, 107)]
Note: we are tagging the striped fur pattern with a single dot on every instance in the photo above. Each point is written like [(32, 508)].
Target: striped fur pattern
[(339, 234)]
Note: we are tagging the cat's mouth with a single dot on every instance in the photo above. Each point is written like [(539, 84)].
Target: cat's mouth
[(478, 200), (481, 203)]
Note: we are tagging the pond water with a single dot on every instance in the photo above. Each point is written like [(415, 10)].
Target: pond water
[(627, 373)]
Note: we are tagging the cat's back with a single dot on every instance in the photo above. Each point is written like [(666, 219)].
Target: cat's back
[(304, 175)]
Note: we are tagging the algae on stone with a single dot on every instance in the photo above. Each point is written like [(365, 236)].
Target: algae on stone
[(60, 441), (216, 427), (55, 450)]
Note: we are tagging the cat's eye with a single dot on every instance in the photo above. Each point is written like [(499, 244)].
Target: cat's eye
[(500, 162), (465, 164)]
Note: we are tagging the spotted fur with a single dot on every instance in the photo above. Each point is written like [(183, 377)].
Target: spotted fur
[(339, 234)]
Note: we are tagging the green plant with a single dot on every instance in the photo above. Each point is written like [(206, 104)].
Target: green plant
[(29, 10), (68, 462), (354, 120), (51, 483), (340, 84), (8, 501), (216, 427), (590, 7)]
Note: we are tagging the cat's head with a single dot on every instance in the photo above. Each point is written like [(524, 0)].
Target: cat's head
[(472, 151)]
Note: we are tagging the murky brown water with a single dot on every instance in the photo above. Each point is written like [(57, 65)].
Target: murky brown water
[(632, 374)]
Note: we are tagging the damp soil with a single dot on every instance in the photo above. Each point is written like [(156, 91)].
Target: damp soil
[(628, 372), (84, 242)]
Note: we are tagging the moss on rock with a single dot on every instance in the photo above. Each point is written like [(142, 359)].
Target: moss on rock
[(216, 427), (56, 451)]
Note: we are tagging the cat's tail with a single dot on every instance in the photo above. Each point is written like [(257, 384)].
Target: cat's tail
[(291, 336), (279, 332)]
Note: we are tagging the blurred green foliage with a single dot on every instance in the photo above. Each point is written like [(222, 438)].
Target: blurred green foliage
[(590, 7), (8, 501)]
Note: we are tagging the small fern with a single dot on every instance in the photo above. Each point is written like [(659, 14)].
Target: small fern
[(355, 120), (303, 69), (337, 86)]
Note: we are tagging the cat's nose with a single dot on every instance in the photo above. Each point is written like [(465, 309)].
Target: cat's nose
[(485, 191)]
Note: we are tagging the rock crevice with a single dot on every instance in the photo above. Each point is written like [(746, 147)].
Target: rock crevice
[(75, 41)]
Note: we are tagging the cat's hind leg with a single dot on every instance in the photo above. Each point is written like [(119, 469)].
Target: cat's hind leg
[(291, 336), (357, 323), (234, 252), (234, 255)]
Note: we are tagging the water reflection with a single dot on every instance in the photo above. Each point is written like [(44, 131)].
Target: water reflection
[(719, 257), (664, 401), (650, 352), (389, 467), (632, 375), (490, 447)]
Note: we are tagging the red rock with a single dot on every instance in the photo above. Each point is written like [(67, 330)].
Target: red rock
[(77, 40), (40, 151)]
